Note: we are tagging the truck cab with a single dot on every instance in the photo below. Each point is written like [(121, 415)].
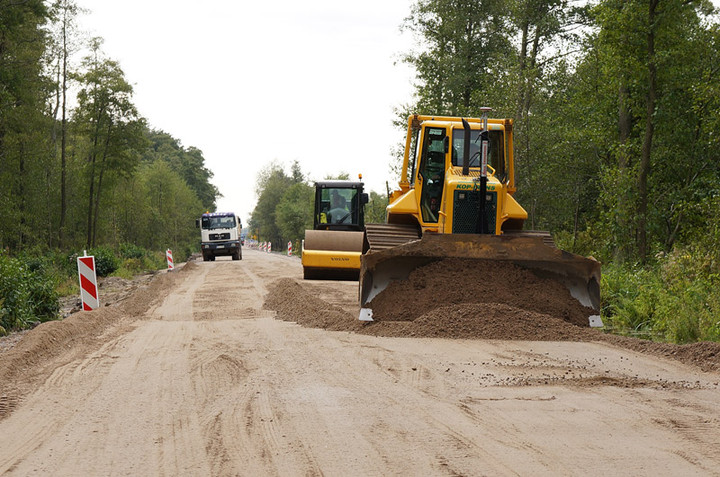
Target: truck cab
[(220, 235)]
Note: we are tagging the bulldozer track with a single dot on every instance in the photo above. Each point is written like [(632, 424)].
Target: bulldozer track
[(384, 236)]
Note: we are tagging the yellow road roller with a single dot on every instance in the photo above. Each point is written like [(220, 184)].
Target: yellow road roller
[(332, 249)]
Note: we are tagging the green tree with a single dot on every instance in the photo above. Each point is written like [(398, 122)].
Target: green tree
[(294, 212), (24, 155), (109, 119), (375, 209), (172, 205), (461, 62), (188, 162), (654, 54), (340, 176), (271, 185), (64, 42)]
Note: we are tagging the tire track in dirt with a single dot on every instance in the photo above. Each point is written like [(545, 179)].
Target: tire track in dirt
[(191, 388), (242, 429)]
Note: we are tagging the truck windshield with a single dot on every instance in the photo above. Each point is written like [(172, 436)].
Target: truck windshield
[(226, 222)]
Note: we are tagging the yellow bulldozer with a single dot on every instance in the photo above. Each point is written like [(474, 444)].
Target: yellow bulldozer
[(455, 200)]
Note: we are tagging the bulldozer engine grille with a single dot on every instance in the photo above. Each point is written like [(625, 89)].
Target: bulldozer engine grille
[(220, 236), (466, 205)]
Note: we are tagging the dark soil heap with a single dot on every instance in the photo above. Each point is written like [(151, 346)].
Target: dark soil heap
[(457, 281), (491, 321), (297, 302), (292, 302)]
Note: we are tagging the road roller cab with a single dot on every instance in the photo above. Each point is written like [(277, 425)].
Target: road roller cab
[(332, 249)]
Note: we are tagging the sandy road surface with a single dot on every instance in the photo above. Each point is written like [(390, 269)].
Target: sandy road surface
[(206, 382)]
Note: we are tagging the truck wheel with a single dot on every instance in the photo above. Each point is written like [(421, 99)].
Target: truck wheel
[(206, 258), (212, 258), (236, 256)]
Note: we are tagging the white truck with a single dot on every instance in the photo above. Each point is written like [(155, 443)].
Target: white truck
[(220, 235)]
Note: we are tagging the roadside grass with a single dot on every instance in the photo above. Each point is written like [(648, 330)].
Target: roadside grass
[(32, 282), (669, 302)]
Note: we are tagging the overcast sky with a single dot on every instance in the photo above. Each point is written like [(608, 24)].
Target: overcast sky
[(253, 82), (249, 83)]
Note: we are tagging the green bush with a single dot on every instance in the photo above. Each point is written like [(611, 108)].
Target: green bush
[(133, 265), (629, 297), (149, 260), (675, 300), (27, 293), (689, 310), (105, 261), (129, 250)]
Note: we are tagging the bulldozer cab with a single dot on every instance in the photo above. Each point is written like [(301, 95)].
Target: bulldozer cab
[(339, 205), (496, 150), (431, 172)]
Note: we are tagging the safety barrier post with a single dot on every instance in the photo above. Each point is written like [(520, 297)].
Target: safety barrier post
[(171, 264), (290, 249), (88, 282)]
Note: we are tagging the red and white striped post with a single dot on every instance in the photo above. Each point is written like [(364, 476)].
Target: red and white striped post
[(171, 264), (269, 247), (290, 249), (88, 282)]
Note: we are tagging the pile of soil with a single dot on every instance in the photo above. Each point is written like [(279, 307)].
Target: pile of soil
[(459, 281), (297, 302), (495, 321)]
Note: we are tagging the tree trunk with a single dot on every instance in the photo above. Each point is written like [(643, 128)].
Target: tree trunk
[(521, 74), (100, 180), (91, 193), (624, 131), (649, 131), (467, 93), (63, 141), (88, 240)]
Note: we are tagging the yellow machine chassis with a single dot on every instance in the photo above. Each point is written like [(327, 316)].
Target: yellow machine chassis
[(331, 259), (332, 255)]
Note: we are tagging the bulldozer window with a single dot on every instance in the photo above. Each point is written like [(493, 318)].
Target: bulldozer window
[(431, 173), (496, 149)]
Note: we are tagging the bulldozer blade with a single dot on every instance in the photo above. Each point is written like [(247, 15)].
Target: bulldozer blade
[(580, 275)]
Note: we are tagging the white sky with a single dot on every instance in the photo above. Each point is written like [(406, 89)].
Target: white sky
[(252, 82), (249, 82)]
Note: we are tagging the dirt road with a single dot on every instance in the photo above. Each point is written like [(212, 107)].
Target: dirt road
[(195, 377)]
